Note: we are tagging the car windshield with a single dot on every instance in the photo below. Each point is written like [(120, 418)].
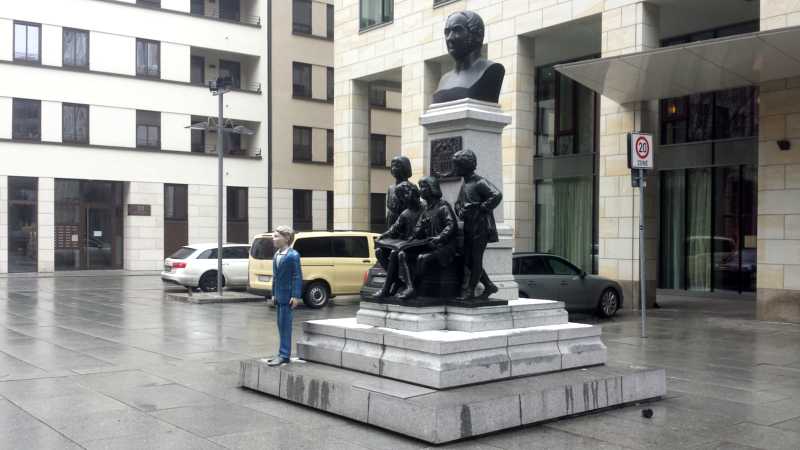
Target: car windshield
[(262, 248), (183, 253)]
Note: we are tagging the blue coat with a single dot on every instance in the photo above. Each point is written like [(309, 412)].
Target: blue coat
[(287, 280)]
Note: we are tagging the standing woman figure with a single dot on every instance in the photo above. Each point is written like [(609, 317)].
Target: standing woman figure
[(287, 288)]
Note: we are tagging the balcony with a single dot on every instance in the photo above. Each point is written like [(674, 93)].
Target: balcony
[(228, 11), (233, 151), (237, 84), (208, 64), (233, 144)]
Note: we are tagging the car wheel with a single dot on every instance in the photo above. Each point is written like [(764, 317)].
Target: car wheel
[(208, 282), (609, 303), (317, 295)]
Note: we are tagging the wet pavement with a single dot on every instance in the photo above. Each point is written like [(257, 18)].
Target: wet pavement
[(105, 362)]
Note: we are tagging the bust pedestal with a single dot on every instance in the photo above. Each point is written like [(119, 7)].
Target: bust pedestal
[(477, 126)]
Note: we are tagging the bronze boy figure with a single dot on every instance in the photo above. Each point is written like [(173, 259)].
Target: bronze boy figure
[(476, 200)]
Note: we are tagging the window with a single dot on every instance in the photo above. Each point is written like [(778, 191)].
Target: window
[(197, 7), (531, 265), (377, 215), (148, 129), (26, 122), (330, 83), (301, 211), (377, 150), (75, 123), (235, 253), (566, 115), (176, 202), (301, 149), (377, 98), (231, 142), (330, 146), (75, 48), (318, 247), (330, 21), (330, 210), (301, 80), (301, 16), (197, 70), (229, 10), (23, 243), (350, 247), (154, 3), (183, 253), (231, 69), (236, 207), (374, 12), (727, 114), (262, 249), (148, 59), (199, 141), (561, 267), (27, 42)]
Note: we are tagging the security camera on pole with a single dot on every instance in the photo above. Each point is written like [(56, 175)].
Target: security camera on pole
[(640, 158)]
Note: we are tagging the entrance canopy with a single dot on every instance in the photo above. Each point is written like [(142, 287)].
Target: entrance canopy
[(705, 66)]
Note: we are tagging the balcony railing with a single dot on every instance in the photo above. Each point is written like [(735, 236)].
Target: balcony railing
[(238, 151), (27, 135), (147, 71), (225, 15), (76, 138), (26, 56), (237, 84), (156, 3), (148, 143)]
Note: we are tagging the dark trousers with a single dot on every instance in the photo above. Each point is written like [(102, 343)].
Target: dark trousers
[(474, 247), (285, 315)]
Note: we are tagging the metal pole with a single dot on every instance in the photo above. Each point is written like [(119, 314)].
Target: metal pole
[(642, 299), (219, 198)]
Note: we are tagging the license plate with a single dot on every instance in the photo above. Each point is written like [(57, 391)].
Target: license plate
[(379, 280), (263, 278), (167, 268)]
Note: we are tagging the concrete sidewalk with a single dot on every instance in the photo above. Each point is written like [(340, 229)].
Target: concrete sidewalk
[(105, 362)]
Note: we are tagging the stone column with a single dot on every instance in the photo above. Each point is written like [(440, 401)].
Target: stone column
[(420, 81), (517, 100), (778, 297), (627, 29), (351, 171)]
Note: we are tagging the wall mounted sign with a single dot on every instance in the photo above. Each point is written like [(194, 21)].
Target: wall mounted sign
[(138, 210)]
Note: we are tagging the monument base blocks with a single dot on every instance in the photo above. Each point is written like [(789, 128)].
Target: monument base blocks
[(440, 416)]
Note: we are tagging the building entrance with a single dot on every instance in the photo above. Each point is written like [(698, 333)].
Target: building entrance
[(88, 225)]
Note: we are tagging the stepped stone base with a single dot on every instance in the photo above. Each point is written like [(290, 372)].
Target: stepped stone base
[(437, 416)]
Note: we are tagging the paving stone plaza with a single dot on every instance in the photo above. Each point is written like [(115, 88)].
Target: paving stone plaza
[(106, 362)]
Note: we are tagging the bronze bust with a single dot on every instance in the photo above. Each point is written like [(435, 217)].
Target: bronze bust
[(473, 77)]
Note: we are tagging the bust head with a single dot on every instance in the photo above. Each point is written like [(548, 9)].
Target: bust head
[(463, 33)]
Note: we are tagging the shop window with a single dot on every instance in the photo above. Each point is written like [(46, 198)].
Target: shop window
[(75, 48), (148, 59), (301, 16), (237, 209), (377, 215), (330, 146), (565, 220), (301, 80), (27, 42), (75, 123), (23, 240), (377, 150), (301, 211), (26, 120), (301, 147), (148, 129), (376, 12)]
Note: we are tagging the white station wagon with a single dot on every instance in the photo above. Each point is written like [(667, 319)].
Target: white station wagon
[(196, 266)]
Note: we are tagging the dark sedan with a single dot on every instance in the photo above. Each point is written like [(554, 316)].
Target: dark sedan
[(544, 277)]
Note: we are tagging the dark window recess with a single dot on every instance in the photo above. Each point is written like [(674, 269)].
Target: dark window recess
[(238, 224), (75, 123), (231, 142), (176, 217), (330, 21), (199, 141), (301, 16), (374, 12), (197, 70), (148, 59), (27, 42), (301, 146), (301, 80), (377, 215), (330, 146), (330, 83), (350, 247), (148, 129), (262, 249), (330, 210), (316, 247), (26, 121), (377, 150), (229, 10), (301, 211), (377, 98), (75, 48), (231, 69), (23, 243), (197, 7)]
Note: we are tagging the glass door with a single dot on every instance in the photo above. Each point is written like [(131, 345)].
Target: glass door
[(99, 242)]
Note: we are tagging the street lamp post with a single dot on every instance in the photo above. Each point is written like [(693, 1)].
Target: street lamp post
[(219, 87)]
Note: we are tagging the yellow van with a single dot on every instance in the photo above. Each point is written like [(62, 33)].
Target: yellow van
[(333, 262)]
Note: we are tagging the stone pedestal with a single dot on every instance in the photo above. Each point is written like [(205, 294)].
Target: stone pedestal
[(479, 126)]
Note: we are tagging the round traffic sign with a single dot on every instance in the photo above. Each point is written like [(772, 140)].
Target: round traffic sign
[(642, 147)]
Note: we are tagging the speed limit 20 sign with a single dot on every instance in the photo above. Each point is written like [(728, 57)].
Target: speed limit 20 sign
[(640, 151)]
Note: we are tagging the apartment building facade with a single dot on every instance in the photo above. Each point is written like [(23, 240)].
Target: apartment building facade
[(713, 80)]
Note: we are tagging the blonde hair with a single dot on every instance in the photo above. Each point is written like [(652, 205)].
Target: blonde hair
[(286, 232)]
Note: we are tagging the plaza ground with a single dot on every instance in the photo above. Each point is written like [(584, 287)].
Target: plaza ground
[(102, 361)]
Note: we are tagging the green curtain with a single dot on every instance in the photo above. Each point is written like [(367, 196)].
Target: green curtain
[(699, 230), (564, 219), (671, 265)]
